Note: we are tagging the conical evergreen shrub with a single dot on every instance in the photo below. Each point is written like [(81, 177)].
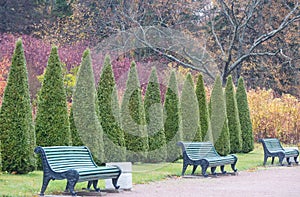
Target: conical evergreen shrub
[(154, 119), (85, 109), (219, 124), (52, 121), (133, 119), (0, 158), (203, 111), (171, 124), (76, 139), (16, 125), (233, 118), (244, 115), (114, 142), (190, 122)]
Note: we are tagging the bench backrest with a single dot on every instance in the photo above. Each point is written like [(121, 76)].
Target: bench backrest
[(272, 144), (198, 150), (62, 158)]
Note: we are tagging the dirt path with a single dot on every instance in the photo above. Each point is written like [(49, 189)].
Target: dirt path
[(270, 181)]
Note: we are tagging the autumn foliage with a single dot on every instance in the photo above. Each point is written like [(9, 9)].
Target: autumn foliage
[(275, 116)]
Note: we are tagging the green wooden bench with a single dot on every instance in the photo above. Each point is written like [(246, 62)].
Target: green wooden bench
[(273, 148), (74, 163), (205, 155)]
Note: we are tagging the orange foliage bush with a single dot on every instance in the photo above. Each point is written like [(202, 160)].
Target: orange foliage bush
[(4, 67), (275, 117)]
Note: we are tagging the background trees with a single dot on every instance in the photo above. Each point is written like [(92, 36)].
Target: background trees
[(254, 38), (242, 33), (19, 17)]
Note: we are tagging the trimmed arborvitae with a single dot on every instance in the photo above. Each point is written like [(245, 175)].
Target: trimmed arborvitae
[(113, 136), (52, 121), (154, 119), (84, 109), (190, 122), (0, 158), (171, 125), (219, 125), (203, 112), (16, 124), (133, 119), (76, 140), (244, 115), (233, 118)]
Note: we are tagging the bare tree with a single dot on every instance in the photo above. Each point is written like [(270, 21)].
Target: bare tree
[(205, 36), (243, 39)]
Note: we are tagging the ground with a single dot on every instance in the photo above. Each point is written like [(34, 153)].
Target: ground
[(270, 181), (264, 181)]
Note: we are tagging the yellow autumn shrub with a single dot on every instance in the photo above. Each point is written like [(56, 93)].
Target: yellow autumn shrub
[(275, 116)]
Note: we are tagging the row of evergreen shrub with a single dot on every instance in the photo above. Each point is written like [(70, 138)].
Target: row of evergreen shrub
[(140, 130)]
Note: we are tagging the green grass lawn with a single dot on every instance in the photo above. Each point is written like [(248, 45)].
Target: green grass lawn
[(30, 184)]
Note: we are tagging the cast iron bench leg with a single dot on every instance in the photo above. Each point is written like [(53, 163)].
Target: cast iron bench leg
[(281, 157), (194, 169), (233, 167), (114, 181), (273, 160), (45, 184), (295, 158), (265, 160), (185, 165), (213, 170), (222, 170), (204, 168), (95, 183)]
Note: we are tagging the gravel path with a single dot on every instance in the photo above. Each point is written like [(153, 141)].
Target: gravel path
[(270, 181)]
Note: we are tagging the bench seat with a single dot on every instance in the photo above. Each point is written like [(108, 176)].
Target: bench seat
[(273, 148), (205, 155), (74, 163)]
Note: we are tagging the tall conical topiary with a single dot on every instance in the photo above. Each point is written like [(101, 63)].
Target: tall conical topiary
[(171, 125), (84, 109), (203, 111), (133, 119), (219, 125), (75, 138), (52, 121), (190, 122), (16, 125), (114, 142), (0, 158), (244, 115), (233, 118), (155, 121)]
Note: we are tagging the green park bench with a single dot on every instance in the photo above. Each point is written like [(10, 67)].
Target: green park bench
[(74, 163), (272, 148), (205, 155)]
